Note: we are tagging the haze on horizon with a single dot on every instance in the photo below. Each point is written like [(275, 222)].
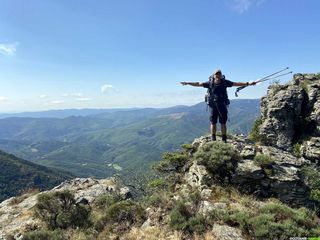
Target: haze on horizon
[(121, 54)]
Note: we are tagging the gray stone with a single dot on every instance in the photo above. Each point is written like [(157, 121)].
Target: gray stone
[(206, 193), (199, 142), (125, 193), (247, 169), (197, 175), (205, 207), (147, 223), (248, 152), (284, 174), (282, 157), (311, 149), (224, 232)]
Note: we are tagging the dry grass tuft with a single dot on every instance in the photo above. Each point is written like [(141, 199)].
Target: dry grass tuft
[(152, 233)]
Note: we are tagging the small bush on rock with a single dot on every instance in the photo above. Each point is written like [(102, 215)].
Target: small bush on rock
[(59, 210), (104, 201), (278, 221), (263, 160), (172, 161), (125, 213), (312, 175), (179, 216), (184, 219), (219, 158)]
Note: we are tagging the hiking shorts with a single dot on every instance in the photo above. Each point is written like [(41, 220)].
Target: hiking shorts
[(218, 110)]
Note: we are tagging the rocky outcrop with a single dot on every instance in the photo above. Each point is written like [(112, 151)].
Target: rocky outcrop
[(16, 216), (281, 178), (290, 112)]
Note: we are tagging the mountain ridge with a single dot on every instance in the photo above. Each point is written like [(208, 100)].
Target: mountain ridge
[(19, 175), (113, 138)]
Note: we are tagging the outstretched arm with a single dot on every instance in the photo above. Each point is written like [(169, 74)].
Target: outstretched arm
[(194, 84), (241, 84)]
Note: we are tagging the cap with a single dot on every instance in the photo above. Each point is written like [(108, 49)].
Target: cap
[(217, 71)]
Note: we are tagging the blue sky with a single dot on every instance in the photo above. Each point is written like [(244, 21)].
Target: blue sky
[(57, 54)]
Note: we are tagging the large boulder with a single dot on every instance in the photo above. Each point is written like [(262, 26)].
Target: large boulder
[(280, 109), (291, 112)]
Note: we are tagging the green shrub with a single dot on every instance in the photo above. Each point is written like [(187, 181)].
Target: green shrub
[(188, 147), (104, 201), (297, 149), (195, 197), (158, 199), (219, 215), (158, 183), (125, 211), (172, 161), (197, 224), (315, 194), (44, 235), (218, 157), (312, 175), (178, 221), (179, 216), (263, 160), (182, 218), (240, 218), (254, 134), (59, 210), (272, 221), (275, 86), (278, 221), (122, 213)]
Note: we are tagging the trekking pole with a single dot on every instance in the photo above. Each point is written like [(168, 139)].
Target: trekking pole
[(267, 78), (273, 74)]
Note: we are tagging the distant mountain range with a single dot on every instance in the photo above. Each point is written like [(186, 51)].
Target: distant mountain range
[(64, 113), (101, 143), (19, 175)]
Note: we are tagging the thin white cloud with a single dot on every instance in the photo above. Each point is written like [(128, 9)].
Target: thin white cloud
[(43, 96), (57, 101), (3, 99), (8, 49), (83, 99), (106, 88), (75, 94), (241, 6)]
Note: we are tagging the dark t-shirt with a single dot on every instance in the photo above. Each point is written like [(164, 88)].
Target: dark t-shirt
[(219, 89)]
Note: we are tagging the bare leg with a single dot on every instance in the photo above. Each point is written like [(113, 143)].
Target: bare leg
[(224, 132), (213, 131)]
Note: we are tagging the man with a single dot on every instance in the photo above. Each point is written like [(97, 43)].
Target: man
[(218, 100)]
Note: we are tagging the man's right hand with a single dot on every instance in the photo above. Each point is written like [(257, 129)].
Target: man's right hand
[(184, 83)]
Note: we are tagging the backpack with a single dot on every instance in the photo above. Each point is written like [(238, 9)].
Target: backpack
[(211, 98)]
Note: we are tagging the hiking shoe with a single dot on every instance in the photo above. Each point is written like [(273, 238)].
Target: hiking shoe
[(224, 138), (213, 137)]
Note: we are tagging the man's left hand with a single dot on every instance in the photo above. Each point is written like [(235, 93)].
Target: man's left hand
[(252, 83)]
